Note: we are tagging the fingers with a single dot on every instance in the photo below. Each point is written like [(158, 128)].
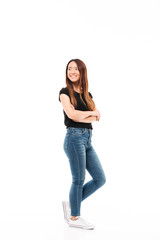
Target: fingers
[(98, 117)]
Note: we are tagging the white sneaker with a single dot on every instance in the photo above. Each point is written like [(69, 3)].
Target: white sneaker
[(81, 223), (66, 210)]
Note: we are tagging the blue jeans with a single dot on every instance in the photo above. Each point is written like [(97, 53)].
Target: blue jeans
[(81, 154)]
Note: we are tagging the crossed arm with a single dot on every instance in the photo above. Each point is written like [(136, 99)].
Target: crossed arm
[(77, 115), (88, 119)]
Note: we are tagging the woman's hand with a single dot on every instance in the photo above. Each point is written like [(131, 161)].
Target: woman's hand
[(96, 113), (98, 117)]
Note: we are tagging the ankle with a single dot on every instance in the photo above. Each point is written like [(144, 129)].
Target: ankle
[(73, 218)]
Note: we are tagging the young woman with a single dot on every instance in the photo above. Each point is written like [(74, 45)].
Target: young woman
[(79, 112)]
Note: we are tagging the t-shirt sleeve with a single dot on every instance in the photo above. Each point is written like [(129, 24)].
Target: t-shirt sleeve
[(90, 95), (65, 91)]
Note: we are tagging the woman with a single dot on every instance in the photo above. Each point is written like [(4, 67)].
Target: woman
[(79, 113)]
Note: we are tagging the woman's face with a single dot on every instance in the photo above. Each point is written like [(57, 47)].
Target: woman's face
[(73, 72)]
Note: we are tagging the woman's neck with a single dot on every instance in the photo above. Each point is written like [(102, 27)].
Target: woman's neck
[(77, 89)]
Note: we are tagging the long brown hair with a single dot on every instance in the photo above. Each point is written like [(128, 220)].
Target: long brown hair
[(83, 84)]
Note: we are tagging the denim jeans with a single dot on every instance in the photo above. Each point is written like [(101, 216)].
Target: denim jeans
[(81, 154)]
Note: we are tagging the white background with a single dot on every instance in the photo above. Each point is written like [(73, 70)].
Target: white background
[(119, 41)]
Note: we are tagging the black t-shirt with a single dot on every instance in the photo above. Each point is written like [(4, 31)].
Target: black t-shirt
[(80, 106)]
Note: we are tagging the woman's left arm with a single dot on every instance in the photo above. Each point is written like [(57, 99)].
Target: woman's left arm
[(90, 118)]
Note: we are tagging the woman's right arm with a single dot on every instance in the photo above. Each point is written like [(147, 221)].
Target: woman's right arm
[(75, 115)]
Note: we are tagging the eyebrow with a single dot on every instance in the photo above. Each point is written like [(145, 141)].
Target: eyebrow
[(71, 67)]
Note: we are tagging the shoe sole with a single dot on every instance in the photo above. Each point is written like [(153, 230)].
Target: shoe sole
[(65, 212), (79, 226)]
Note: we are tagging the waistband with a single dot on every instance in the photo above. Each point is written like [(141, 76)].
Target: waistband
[(73, 129)]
